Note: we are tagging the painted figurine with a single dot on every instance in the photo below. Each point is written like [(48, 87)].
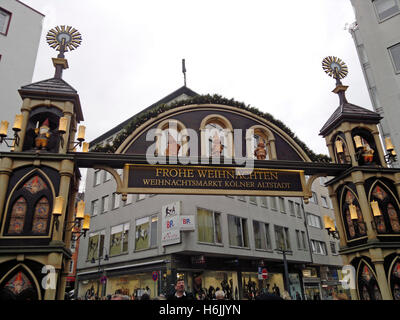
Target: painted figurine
[(42, 135), (172, 147), (368, 154), (217, 146), (260, 152)]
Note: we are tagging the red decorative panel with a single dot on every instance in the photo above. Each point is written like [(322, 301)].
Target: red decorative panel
[(35, 185), (18, 283)]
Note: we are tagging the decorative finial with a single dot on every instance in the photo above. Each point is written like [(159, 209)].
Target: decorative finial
[(337, 69), (184, 71), (63, 39)]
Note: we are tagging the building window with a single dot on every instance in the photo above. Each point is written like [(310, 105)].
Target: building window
[(253, 200), (105, 204), (282, 239), (318, 247), (304, 240), (282, 204), (395, 54), (119, 239), (96, 245), (298, 210), (261, 235), (298, 240), (386, 8), (264, 201), (314, 221), (146, 233), (238, 233), (273, 203), (153, 231), (107, 176), (291, 207), (97, 177), (333, 247), (95, 207), (129, 199), (5, 17), (209, 226), (314, 198), (324, 202), (116, 199)]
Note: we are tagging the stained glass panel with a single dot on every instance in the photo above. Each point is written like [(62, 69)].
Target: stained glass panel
[(393, 217), (35, 185), (18, 283), (379, 193), (41, 216), (18, 214)]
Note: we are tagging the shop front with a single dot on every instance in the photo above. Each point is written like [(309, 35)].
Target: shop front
[(311, 284), (131, 280), (239, 279), (330, 283)]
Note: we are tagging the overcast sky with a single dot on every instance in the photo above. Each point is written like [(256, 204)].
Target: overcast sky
[(264, 53)]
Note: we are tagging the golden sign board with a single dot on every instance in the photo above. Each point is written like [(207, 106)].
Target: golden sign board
[(178, 179)]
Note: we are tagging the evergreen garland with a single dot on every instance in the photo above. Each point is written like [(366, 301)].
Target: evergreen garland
[(203, 99)]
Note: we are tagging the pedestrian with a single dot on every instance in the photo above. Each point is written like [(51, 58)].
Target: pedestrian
[(220, 295), (180, 292), (145, 296)]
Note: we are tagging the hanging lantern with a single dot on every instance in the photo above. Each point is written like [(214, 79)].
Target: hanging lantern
[(375, 209), (339, 146), (353, 212)]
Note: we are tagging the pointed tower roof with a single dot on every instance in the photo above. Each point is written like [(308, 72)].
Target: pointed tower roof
[(348, 112), (53, 89)]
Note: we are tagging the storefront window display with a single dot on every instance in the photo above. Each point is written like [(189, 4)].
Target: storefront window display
[(312, 291), (252, 286), (133, 285), (204, 284), (295, 286)]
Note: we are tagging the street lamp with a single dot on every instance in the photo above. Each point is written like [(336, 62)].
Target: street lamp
[(282, 249), (99, 269)]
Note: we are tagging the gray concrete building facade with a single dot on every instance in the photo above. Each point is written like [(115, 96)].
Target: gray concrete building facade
[(377, 40)]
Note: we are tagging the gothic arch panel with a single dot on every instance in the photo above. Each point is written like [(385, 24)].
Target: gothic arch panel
[(29, 206), (368, 288), (20, 283), (394, 278), (341, 149), (351, 213), (381, 192)]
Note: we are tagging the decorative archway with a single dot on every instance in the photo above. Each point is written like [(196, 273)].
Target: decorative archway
[(351, 213), (29, 207)]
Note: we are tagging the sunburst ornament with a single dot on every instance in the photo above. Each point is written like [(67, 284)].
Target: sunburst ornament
[(335, 67), (63, 39)]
